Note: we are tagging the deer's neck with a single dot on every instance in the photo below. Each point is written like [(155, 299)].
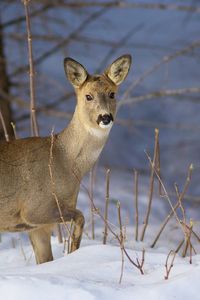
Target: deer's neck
[(82, 145)]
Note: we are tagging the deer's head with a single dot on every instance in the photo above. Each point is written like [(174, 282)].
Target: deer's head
[(96, 103)]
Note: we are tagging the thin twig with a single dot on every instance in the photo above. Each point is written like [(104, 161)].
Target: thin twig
[(91, 206), (159, 94), (158, 168), (164, 60), (121, 236), (64, 41), (33, 118), (136, 203), (151, 185), (4, 126), (107, 198), (122, 265), (180, 199), (120, 221), (186, 229), (133, 5), (179, 246), (168, 268), (139, 265), (142, 260), (14, 130), (23, 18), (120, 44), (166, 195)]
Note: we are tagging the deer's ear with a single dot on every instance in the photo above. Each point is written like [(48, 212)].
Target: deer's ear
[(75, 72), (119, 69)]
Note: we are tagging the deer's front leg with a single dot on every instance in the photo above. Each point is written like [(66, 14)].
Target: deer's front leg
[(41, 242), (54, 215)]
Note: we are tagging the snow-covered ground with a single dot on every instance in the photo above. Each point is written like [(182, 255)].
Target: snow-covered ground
[(93, 271)]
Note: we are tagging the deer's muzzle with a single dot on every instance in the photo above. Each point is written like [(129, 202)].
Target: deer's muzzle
[(105, 121)]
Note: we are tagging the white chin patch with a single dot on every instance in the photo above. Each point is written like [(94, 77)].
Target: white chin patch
[(103, 126)]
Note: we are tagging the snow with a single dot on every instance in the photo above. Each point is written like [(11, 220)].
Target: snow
[(93, 271)]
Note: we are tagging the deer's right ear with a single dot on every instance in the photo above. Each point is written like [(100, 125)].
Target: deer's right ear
[(75, 72)]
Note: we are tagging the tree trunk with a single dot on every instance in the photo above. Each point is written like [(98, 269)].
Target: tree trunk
[(4, 90)]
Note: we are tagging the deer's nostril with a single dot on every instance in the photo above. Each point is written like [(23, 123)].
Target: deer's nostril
[(105, 119)]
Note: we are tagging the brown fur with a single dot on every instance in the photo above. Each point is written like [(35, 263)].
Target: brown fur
[(26, 199)]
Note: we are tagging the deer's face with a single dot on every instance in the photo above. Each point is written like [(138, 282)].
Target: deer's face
[(96, 102)]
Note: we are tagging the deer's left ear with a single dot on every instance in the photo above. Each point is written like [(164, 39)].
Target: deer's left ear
[(119, 69)]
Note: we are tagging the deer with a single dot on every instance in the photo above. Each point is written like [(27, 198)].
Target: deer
[(27, 201)]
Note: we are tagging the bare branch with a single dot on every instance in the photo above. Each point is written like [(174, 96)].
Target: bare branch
[(161, 93), (64, 41), (23, 18), (164, 60), (121, 43), (132, 5)]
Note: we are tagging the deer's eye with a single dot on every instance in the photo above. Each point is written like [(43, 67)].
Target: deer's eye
[(112, 95), (89, 97)]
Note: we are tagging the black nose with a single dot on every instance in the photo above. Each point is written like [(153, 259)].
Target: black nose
[(106, 119)]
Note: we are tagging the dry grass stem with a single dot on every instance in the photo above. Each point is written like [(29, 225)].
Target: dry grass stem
[(121, 237), (196, 236), (187, 236), (174, 208), (179, 246), (120, 222), (151, 185), (137, 265), (4, 127), (186, 229), (136, 203), (158, 168), (168, 266), (107, 198), (122, 265), (142, 259), (34, 125), (91, 206), (14, 130), (188, 243)]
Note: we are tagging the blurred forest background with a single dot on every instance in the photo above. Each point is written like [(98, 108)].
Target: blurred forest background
[(162, 89)]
